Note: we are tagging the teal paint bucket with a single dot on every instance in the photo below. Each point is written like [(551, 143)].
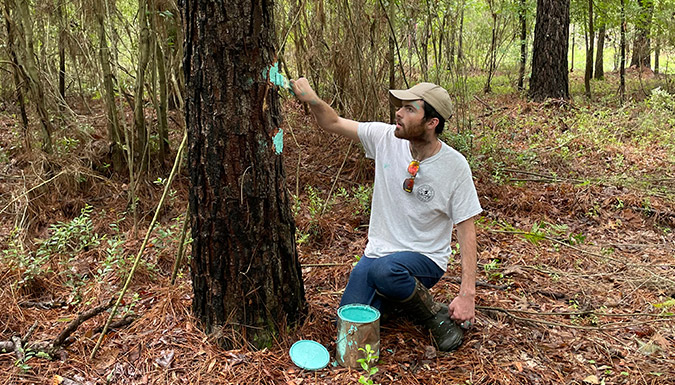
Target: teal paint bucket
[(358, 325)]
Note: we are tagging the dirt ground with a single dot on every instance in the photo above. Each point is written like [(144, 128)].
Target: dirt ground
[(576, 272)]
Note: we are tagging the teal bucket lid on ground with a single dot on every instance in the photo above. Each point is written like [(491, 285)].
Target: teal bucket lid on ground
[(358, 313), (309, 355)]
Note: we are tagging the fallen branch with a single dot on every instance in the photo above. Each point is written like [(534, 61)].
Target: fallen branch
[(484, 103), (323, 264), (19, 344), (126, 320), (575, 313), (458, 280), (6, 346), (58, 380), (642, 267), (542, 236), (616, 325), (543, 177), (73, 325), (18, 348), (43, 305), (658, 214)]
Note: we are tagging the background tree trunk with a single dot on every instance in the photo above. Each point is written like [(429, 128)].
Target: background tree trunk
[(18, 83), (588, 74), (549, 55), (114, 133), (641, 49), (144, 56), (163, 127), (522, 18), (574, 36), (657, 53), (62, 49), (390, 57), (29, 70), (492, 54), (599, 72), (622, 56), (460, 47), (245, 272)]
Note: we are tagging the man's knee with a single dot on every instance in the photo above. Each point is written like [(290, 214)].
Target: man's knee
[(383, 271), (360, 271)]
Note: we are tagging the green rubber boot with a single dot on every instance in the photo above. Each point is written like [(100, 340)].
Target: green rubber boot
[(434, 316)]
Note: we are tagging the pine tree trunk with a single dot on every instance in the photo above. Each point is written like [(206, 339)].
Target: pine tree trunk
[(246, 276), (549, 55), (522, 18), (599, 72)]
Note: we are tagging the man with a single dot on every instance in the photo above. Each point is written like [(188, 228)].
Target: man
[(422, 188)]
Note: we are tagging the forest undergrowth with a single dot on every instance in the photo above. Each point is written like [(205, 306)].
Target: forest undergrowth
[(575, 245)]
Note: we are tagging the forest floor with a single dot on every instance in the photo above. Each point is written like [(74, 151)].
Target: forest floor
[(576, 253)]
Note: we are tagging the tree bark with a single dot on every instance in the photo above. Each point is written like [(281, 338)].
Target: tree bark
[(159, 84), (163, 129), (460, 47), (246, 276), (522, 18), (62, 49), (599, 72), (549, 77), (622, 58), (641, 49), (143, 58), (492, 55), (30, 71), (114, 133), (657, 53), (16, 74), (588, 74), (574, 39), (390, 57)]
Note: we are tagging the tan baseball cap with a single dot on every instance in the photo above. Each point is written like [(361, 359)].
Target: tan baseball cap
[(431, 93)]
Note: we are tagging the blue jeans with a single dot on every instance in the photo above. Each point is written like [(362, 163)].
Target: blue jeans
[(392, 276)]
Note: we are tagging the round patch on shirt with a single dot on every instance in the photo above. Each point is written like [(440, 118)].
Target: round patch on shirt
[(425, 193)]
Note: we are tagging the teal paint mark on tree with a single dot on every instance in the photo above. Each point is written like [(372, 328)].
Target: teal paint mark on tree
[(275, 77), (278, 141)]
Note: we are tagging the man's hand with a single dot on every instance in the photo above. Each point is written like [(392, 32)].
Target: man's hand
[(325, 115), (304, 92), (462, 309)]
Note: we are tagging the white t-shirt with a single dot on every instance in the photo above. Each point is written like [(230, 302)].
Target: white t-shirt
[(421, 221)]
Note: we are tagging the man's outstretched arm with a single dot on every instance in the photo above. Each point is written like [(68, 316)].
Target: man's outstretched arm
[(463, 307), (325, 115)]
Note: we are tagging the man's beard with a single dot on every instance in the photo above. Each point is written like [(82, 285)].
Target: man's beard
[(408, 132)]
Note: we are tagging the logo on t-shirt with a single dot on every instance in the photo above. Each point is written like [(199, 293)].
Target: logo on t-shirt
[(425, 193)]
